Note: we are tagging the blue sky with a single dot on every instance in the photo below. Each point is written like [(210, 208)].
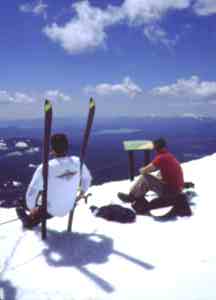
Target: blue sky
[(135, 57)]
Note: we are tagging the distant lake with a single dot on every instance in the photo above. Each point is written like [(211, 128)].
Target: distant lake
[(117, 131)]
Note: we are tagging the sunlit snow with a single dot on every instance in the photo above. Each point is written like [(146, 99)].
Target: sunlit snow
[(101, 260)]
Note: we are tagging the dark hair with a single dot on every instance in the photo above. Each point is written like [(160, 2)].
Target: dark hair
[(59, 144), (159, 143)]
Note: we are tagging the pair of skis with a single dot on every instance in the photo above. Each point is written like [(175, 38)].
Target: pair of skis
[(47, 135)]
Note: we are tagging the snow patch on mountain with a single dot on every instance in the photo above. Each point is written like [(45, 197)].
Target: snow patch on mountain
[(3, 146), (21, 145)]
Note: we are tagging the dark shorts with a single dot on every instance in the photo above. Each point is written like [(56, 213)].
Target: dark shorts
[(29, 220)]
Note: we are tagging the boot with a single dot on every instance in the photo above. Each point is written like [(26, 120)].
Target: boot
[(127, 198), (141, 206)]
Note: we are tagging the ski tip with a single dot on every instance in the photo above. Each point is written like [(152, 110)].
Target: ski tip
[(91, 103), (47, 105)]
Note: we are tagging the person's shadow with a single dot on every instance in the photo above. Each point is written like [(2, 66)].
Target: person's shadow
[(78, 250), (7, 290)]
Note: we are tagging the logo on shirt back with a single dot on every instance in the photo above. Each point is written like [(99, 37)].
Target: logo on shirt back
[(67, 175)]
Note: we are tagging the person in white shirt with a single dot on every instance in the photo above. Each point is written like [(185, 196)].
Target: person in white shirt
[(63, 184)]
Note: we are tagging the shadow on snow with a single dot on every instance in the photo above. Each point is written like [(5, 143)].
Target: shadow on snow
[(79, 250)]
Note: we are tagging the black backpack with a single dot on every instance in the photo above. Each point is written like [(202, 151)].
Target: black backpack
[(114, 212)]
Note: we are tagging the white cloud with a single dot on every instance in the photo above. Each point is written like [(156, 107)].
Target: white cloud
[(190, 115), (155, 34), (56, 95), (86, 30), (21, 98), (37, 9), (192, 88), (205, 7), (5, 97), (127, 87), (17, 97), (148, 11)]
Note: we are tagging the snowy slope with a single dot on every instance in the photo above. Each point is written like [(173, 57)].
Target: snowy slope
[(172, 260)]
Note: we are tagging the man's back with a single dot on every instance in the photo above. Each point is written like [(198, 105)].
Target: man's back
[(63, 183), (170, 169)]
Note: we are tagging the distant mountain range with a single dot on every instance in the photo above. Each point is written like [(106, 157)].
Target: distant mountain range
[(21, 143)]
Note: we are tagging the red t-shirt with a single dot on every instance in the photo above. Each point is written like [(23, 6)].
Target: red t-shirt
[(170, 169)]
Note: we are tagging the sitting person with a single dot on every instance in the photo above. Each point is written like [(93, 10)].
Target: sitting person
[(168, 183), (63, 184)]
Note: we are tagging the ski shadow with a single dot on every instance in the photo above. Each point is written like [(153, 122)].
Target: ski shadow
[(7, 290), (79, 250)]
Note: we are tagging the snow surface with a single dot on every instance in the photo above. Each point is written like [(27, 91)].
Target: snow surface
[(3, 146), (101, 260), (32, 150), (32, 166), (21, 145)]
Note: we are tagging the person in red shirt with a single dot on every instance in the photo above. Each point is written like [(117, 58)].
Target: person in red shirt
[(167, 183)]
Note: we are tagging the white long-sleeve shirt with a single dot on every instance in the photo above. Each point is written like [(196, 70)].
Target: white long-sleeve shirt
[(63, 184)]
